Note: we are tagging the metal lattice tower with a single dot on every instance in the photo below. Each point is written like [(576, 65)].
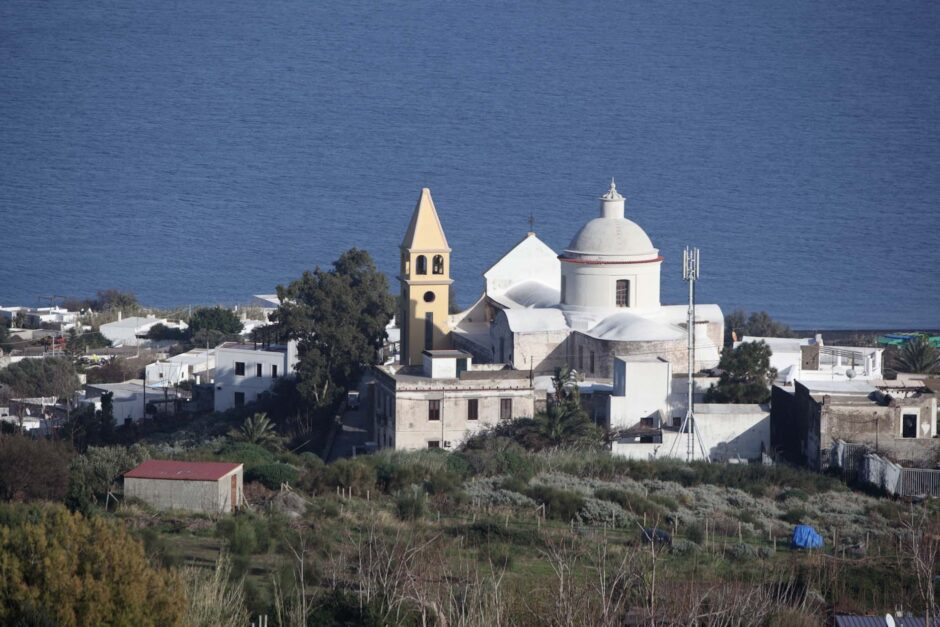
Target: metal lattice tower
[(690, 273)]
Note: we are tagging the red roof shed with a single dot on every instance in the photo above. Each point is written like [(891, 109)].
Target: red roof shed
[(182, 471)]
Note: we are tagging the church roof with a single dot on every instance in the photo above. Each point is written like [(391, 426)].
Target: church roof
[(611, 237), (631, 327), (528, 294), (425, 231), (534, 320)]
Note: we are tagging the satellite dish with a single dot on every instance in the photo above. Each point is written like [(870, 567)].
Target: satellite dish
[(889, 620), (850, 373)]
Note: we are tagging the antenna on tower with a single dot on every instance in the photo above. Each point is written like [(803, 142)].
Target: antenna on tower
[(690, 273)]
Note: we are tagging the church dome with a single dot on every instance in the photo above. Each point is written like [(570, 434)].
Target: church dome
[(611, 237)]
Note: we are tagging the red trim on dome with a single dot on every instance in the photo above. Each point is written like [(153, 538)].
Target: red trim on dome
[(606, 263)]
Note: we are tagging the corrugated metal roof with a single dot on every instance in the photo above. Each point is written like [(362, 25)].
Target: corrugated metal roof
[(879, 621), (182, 471)]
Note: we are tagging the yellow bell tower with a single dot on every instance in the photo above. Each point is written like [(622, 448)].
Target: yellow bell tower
[(425, 283)]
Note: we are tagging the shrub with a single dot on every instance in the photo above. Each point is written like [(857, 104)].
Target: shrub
[(741, 552), (246, 453), (496, 553), (92, 475), (484, 532), (638, 504), (32, 469), (685, 547), (795, 515), (602, 512), (695, 533), (350, 473), (559, 504), (272, 475), (245, 535), (410, 504)]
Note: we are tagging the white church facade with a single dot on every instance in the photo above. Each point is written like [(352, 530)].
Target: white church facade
[(598, 299)]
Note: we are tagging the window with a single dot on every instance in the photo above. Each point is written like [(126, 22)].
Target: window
[(240, 368), (434, 444), (473, 409), (239, 399), (909, 426), (429, 297), (428, 330), (505, 408), (502, 350), (437, 265), (592, 362), (258, 370), (580, 358), (434, 410), (563, 290), (623, 293), (421, 264), (274, 371)]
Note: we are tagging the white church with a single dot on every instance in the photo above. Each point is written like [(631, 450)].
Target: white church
[(597, 300)]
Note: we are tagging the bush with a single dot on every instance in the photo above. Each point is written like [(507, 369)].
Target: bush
[(350, 473), (246, 453), (272, 476), (742, 552), (638, 504), (695, 533), (32, 469), (795, 515), (92, 475), (410, 504), (245, 535), (559, 504)]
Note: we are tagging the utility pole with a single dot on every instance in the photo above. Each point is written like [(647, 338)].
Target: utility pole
[(690, 273)]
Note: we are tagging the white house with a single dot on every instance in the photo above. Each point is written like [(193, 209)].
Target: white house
[(195, 365), (809, 359), (445, 400), (132, 331), (647, 405), (208, 487), (129, 399), (243, 371)]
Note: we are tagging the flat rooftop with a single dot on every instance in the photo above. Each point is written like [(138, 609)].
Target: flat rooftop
[(239, 346), (447, 353)]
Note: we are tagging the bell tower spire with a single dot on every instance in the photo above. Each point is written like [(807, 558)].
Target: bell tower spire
[(425, 283)]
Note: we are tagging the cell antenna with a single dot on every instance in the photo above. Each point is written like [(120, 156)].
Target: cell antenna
[(690, 273)]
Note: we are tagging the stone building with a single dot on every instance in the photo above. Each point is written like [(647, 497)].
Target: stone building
[(207, 487), (245, 371), (807, 418), (446, 399)]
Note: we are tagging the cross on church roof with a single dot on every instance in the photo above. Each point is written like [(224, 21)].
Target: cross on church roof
[(531, 222)]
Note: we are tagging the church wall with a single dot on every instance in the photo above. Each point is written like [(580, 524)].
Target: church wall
[(543, 351), (673, 351), (588, 285)]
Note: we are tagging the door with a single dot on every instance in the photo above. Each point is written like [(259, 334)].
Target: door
[(909, 426), (234, 497)]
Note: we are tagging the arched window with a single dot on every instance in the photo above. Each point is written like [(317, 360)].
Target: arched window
[(438, 265), (421, 264), (623, 293)]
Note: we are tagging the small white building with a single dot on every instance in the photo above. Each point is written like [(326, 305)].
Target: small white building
[(243, 371), (809, 359), (132, 331), (195, 365), (647, 405), (36, 316), (207, 487), (445, 400), (129, 398)]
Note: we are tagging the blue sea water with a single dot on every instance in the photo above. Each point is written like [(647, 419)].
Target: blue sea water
[(197, 152)]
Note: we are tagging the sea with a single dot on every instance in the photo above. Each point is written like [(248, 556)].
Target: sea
[(202, 152)]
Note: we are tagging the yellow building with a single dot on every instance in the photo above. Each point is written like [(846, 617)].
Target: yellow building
[(425, 284)]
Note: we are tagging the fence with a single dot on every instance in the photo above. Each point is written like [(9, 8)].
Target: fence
[(855, 461)]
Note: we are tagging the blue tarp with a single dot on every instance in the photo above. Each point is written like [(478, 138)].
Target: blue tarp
[(805, 537)]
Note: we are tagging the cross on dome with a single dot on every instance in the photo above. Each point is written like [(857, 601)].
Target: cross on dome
[(612, 193)]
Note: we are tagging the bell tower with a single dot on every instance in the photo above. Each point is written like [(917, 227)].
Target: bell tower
[(425, 283)]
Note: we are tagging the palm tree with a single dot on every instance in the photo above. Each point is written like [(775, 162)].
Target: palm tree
[(918, 355), (258, 429), (563, 424)]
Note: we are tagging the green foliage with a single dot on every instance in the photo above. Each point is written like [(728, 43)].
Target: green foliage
[(258, 429), (746, 376), (632, 502), (339, 318), (5, 344), (215, 596), (115, 300), (272, 475), (91, 427), (32, 469), (78, 343), (918, 355), (215, 324), (245, 535), (41, 377), (113, 370), (60, 568), (559, 504), (410, 503), (161, 332), (356, 474), (247, 453), (795, 515), (758, 324), (92, 475)]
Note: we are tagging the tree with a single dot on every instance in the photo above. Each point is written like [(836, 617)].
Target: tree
[(60, 568), (338, 317), (41, 377), (94, 474), (116, 300), (78, 343), (258, 429), (92, 427), (33, 469), (746, 375), (918, 355), (758, 324), (114, 370), (5, 344), (214, 324), (564, 422), (160, 332)]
